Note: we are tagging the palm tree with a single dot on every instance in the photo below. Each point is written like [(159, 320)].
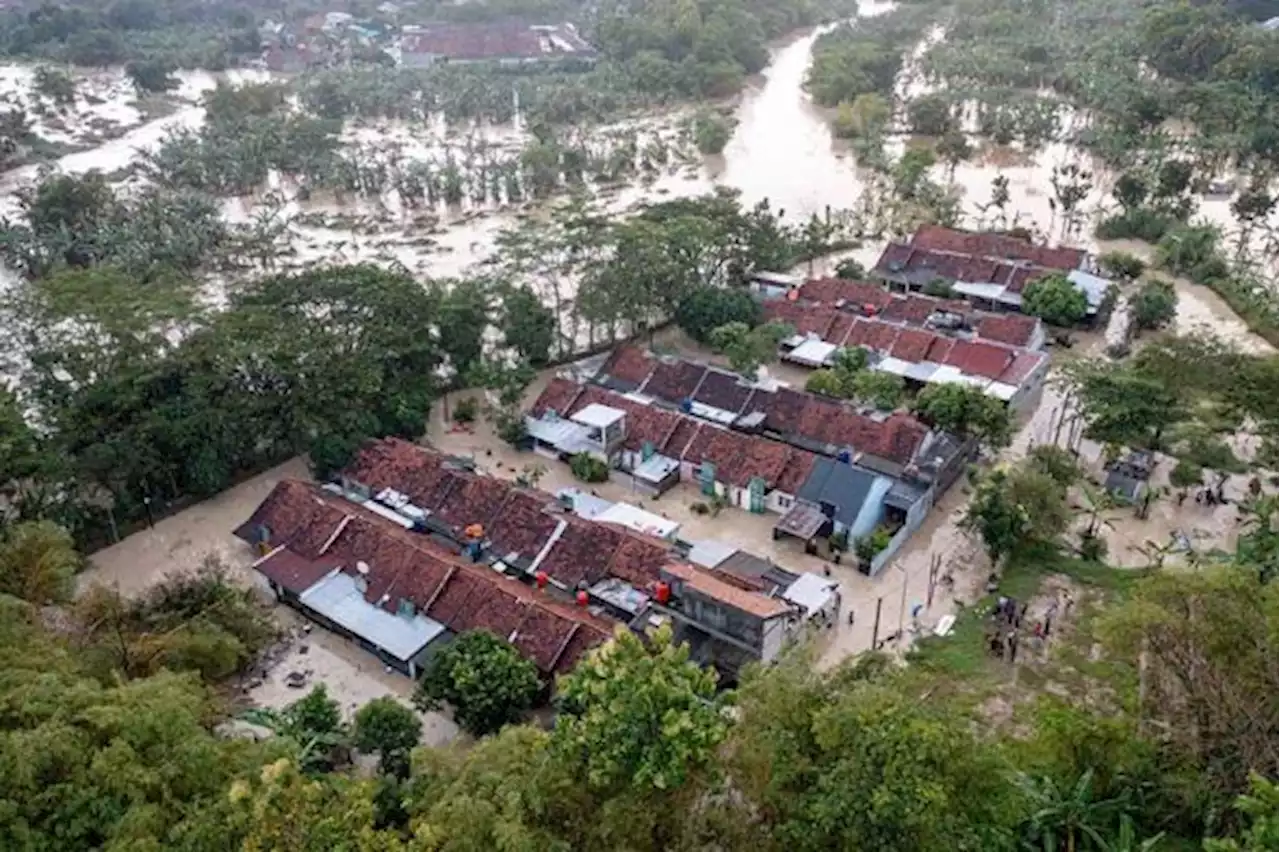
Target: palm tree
[(1065, 814), (1095, 504), (1155, 553)]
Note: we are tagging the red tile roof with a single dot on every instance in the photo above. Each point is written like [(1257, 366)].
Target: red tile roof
[(629, 364), (939, 349), (1024, 363), (915, 310), (829, 291), (449, 589), (558, 396), (1013, 329), (475, 500), (522, 526), (677, 445), (872, 334), (477, 41), (644, 423), (582, 553), (673, 380), (582, 641), (543, 635), (805, 319), (294, 572), (938, 238), (723, 390), (912, 345), (798, 466), (293, 512), (637, 560), (978, 358), (710, 586)]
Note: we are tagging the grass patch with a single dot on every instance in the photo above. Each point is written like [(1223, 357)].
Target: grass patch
[(963, 654)]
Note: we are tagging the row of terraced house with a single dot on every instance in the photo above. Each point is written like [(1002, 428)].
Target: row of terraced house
[(824, 466), (408, 548)]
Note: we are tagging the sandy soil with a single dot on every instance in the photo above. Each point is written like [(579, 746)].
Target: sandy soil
[(351, 675)]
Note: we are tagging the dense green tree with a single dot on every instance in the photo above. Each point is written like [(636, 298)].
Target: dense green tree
[(38, 563), (527, 325), (153, 75), (840, 762), (313, 724), (1016, 507), (1122, 265), (748, 348), (1122, 405), (881, 390), (1055, 300), (966, 411), (705, 309), (1260, 806), (389, 729), (1155, 305), (637, 715), (1207, 643), (483, 679)]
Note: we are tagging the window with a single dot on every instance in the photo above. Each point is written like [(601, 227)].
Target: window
[(784, 502)]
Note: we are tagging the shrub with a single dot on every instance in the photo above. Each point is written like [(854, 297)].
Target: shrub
[(1121, 264), (939, 288), (1155, 305), (588, 468), (466, 410)]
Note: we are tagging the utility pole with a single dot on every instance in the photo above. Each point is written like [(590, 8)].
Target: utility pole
[(902, 613), (875, 627)]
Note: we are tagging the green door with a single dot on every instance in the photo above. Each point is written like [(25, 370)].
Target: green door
[(755, 495), (707, 476)]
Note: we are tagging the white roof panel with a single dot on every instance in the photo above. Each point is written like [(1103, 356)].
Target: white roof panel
[(633, 518), (598, 415), (337, 598), (811, 592), (812, 351)]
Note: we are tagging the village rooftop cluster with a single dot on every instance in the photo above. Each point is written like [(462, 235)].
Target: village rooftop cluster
[(409, 547)]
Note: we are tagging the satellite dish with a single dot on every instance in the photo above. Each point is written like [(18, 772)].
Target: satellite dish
[(362, 568)]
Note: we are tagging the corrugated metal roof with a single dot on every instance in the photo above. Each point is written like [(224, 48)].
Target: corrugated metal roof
[(339, 599)]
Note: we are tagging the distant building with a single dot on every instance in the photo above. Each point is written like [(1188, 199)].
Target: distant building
[(990, 270), (509, 43)]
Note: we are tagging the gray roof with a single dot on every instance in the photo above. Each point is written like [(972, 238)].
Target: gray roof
[(844, 486), (339, 599)]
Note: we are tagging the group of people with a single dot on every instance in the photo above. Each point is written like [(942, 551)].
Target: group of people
[(1008, 617)]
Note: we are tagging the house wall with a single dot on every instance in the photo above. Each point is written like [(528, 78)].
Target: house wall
[(1030, 391), (915, 517), (715, 615), (773, 638), (779, 502)]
